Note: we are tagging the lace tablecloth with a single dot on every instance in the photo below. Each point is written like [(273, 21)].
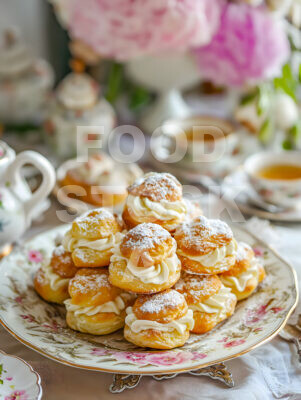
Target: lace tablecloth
[(270, 372)]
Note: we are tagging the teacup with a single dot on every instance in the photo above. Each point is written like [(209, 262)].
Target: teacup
[(269, 174), (198, 140)]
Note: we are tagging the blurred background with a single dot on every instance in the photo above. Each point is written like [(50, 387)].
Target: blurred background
[(164, 67)]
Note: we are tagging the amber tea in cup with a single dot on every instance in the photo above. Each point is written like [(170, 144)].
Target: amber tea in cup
[(280, 172)]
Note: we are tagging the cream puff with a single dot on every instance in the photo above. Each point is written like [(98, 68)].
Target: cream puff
[(205, 246), (95, 306), (246, 274), (156, 198), (52, 279), (209, 300), (145, 261), (159, 321), (92, 238), (104, 181)]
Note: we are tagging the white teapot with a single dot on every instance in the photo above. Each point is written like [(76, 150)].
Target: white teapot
[(18, 205)]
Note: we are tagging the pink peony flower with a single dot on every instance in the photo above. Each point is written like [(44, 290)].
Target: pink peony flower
[(170, 358), (258, 252), (18, 299), (29, 318), (136, 357), (17, 395), (125, 29), (53, 326), (99, 352), (198, 356), (255, 315), (251, 45), (35, 256), (234, 343)]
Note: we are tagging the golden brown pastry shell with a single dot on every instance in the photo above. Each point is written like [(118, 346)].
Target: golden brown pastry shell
[(44, 289)]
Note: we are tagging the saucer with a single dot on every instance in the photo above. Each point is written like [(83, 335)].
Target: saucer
[(18, 380), (190, 171), (236, 185)]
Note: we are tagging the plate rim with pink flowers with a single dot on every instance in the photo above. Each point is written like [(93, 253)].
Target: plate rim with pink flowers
[(42, 327)]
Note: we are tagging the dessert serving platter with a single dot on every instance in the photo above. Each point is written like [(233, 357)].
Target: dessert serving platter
[(42, 326)]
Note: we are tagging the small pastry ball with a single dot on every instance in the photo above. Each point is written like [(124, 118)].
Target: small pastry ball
[(92, 238), (96, 177), (52, 279), (159, 321), (246, 274), (145, 261), (209, 300), (95, 306), (155, 198), (205, 246)]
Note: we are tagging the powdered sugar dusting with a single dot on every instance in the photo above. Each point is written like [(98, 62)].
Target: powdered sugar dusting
[(196, 286), (202, 234), (158, 302), (59, 251), (215, 227), (157, 186), (93, 282), (145, 236), (242, 250), (92, 218)]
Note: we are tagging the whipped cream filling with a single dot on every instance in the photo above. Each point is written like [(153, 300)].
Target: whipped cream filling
[(70, 243), (96, 170), (240, 281), (180, 325), (156, 274), (163, 210), (215, 256), (216, 304), (55, 281), (115, 306)]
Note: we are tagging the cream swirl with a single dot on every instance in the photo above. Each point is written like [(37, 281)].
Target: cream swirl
[(115, 306), (70, 243), (157, 274), (215, 304), (214, 257), (240, 281), (180, 325), (97, 170), (163, 210), (77, 91), (55, 281)]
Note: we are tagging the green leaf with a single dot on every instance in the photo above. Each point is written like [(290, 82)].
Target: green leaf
[(287, 82), (287, 144), (263, 100), (265, 132), (299, 77), (295, 130), (115, 81), (139, 98), (248, 98)]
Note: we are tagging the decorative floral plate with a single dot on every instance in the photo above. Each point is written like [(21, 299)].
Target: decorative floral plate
[(18, 381), (42, 326)]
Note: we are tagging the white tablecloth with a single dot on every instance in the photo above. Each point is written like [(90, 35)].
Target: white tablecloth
[(270, 372)]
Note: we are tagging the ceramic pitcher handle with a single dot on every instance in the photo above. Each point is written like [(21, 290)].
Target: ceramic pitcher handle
[(13, 176)]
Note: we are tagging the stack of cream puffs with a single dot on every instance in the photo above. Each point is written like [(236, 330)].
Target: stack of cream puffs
[(160, 273)]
